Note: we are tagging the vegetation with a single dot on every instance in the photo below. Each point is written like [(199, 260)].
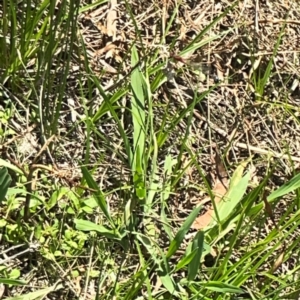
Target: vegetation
[(149, 149)]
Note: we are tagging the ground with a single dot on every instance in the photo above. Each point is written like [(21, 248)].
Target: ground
[(152, 149)]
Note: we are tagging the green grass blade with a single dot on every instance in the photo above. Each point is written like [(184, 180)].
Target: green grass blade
[(186, 260), (112, 110), (5, 181), (12, 282), (193, 45), (195, 263), (233, 197), (288, 187), (39, 294), (85, 225), (222, 287), (175, 244), (138, 110), (160, 262), (98, 195), (262, 82)]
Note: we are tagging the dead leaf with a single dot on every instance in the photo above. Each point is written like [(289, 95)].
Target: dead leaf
[(278, 262), (111, 20), (102, 28), (182, 34), (96, 12), (109, 47), (219, 190), (220, 168), (268, 209), (203, 220), (108, 68)]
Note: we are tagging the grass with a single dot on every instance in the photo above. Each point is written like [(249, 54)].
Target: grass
[(107, 144)]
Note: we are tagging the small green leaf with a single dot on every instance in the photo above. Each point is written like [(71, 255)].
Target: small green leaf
[(87, 209), (15, 274), (56, 196), (90, 226), (10, 166), (70, 211)]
